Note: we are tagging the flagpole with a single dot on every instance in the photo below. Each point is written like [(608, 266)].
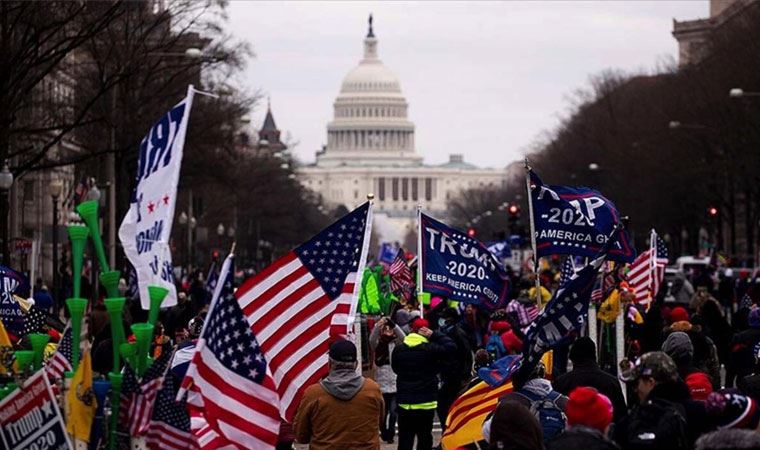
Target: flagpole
[(419, 258), (532, 233)]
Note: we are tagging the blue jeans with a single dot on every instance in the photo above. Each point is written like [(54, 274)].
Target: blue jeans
[(388, 419)]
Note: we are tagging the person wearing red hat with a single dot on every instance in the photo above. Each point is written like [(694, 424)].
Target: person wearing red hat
[(417, 362), (589, 415)]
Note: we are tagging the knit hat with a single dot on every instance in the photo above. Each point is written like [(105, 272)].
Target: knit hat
[(733, 410), (699, 385), (583, 349), (419, 323), (656, 365), (754, 318), (679, 347), (679, 313), (343, 351), (500, 326), (586, 406), (402, 317)]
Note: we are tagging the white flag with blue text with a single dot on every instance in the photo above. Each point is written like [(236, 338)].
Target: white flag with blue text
[(145, 231)]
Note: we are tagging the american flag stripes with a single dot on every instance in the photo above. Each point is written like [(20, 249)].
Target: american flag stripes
[(299, 304), (230, 391), (139, 396), (566, 272), (169, 428), (60, 362), (400, 274), (648, 270)]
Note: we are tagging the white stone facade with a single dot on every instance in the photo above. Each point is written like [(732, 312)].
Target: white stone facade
[(371, 149)]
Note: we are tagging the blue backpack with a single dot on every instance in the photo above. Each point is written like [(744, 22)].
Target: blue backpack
[(552, 419)]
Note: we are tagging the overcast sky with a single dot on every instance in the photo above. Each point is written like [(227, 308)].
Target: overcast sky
[(483, 79)]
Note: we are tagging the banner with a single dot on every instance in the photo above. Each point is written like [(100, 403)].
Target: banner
[(10, 311), (460, 268), (576, 221), (30, 418), (388, 253), (144, 233)]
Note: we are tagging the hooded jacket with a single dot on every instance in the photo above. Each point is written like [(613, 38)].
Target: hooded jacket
[(340, 412), (581, 437), (417, 362), (588, 373)]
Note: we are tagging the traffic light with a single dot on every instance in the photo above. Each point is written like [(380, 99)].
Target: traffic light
[(712, 211), (514, 210), (471, 232)]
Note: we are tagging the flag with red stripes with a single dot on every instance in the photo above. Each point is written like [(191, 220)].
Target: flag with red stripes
[(400, 274), (169, 428), (303, 301), (138, 396), (60, 362), (648, 270), (231, 396)]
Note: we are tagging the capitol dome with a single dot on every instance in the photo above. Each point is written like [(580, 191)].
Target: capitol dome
[(370, 124)]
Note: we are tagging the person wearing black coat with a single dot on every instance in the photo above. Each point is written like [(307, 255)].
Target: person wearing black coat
[(743, 346), (581, 438), (417, 363), (457, 368), (586, 372)]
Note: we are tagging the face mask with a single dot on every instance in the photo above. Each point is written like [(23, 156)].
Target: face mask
[(441, 323)]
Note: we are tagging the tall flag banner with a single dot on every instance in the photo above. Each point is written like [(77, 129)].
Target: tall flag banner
[(305, 300), (576, 221), (60, 362), (212, 278), (648, 270), (563, 316), (460, 268), (144, 233), (501, 249), (140, 395), (229, 387), (567, 272), (82, 402), (30, 418), (10, 311), (169, 428)]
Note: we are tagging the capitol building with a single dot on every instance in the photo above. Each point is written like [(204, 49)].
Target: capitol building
[(371, 149)]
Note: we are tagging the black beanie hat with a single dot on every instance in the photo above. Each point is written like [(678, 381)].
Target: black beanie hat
[(583, 349)]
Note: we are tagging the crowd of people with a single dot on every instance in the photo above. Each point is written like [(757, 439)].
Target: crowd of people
[(689, 378)]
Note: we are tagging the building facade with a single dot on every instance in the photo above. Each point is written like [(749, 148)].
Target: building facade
[(371, 149)]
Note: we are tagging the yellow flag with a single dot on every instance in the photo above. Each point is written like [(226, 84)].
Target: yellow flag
[(5, 347), (82, 403)]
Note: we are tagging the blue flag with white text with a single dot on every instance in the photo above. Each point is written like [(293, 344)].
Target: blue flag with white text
[(576, 221), (460, 268), (11, 282)]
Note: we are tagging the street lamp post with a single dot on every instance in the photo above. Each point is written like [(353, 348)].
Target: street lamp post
[(55, 188), (6, 181)]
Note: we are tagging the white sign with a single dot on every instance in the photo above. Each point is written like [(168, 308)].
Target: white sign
[(144, 233)]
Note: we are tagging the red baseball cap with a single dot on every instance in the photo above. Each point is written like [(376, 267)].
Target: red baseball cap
[(419, 323)]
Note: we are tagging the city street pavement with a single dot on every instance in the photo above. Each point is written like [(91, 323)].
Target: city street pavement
[(384, 446)]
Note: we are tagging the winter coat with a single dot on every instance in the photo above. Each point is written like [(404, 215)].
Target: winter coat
[(580, 437), (749, 386), (458, 367), (341, 412), (417, 362), (589, 374), (742, 351), (384, 375)]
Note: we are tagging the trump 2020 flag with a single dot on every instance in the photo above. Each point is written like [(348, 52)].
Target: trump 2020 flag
[(144, 233), (460, 268), (576, 221)]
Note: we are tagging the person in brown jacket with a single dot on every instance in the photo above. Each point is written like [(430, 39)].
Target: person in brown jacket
[(343, 410)]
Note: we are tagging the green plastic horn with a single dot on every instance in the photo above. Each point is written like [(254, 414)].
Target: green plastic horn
[(157, 295), (76, 309), (115, 308), (128, 351), (115, 379), (88, 211), (143, 336), (24, 359), (39, 341), (7, 389), (78, 237), (110, 280)]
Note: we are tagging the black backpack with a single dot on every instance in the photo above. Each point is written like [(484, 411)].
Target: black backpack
[(657, 424)]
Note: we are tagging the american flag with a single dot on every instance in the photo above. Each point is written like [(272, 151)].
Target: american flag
[(211, 278), (567, 271), (60, 362), (34, 321), (299, 304), (400, 274), (139, 396), (169, 428), (230, 391), (648, 270)]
